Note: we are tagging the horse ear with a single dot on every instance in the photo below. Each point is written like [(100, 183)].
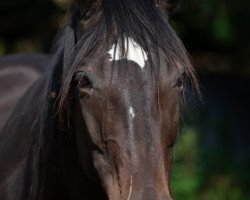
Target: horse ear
[(84, 3), (89, 5), (169, 5)]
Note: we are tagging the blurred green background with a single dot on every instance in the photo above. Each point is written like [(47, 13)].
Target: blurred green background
[(212, 153)]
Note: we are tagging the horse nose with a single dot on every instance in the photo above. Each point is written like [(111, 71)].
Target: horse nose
[(150, 193)]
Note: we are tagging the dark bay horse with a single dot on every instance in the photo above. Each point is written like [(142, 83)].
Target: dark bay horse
[(101, 120)]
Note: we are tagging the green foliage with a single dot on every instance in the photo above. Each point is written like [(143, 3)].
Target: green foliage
[(196, 175), (214, 25), (222, 27), (185, 177), (64, 4)]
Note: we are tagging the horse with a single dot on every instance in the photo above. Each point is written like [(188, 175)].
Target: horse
[(24, 69), (101, 120)]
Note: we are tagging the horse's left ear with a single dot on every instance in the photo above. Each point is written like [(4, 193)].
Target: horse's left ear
[(89, 6), (169, 5)]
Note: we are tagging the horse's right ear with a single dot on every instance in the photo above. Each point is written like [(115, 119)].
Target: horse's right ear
[(89, 6)]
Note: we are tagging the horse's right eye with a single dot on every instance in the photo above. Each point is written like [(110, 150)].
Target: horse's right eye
[(83, 84), (181, 81), (83, 81)]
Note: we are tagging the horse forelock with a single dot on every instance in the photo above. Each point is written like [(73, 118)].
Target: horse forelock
[(112, 21)]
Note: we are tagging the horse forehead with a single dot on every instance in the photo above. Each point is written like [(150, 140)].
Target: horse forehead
[(133, 52)]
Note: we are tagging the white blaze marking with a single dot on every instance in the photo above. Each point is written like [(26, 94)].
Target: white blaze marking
[(133, 51), (132, 112), (130, 188)]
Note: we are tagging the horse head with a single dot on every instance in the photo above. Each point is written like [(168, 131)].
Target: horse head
[(125, 70)]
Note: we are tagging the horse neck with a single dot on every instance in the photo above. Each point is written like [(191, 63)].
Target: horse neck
[(15, 137)]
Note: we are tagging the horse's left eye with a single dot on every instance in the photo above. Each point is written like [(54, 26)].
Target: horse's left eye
[(84, 84)]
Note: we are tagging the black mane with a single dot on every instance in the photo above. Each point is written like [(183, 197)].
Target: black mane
[(112, 20)]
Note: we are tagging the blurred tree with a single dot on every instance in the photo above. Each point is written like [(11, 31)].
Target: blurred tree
[(30, 21), (216, 32)]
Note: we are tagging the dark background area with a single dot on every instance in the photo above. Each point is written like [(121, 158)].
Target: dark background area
[(212, 154)]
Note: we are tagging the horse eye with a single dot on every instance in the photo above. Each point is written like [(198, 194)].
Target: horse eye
[(83, 84), (180, 82)]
